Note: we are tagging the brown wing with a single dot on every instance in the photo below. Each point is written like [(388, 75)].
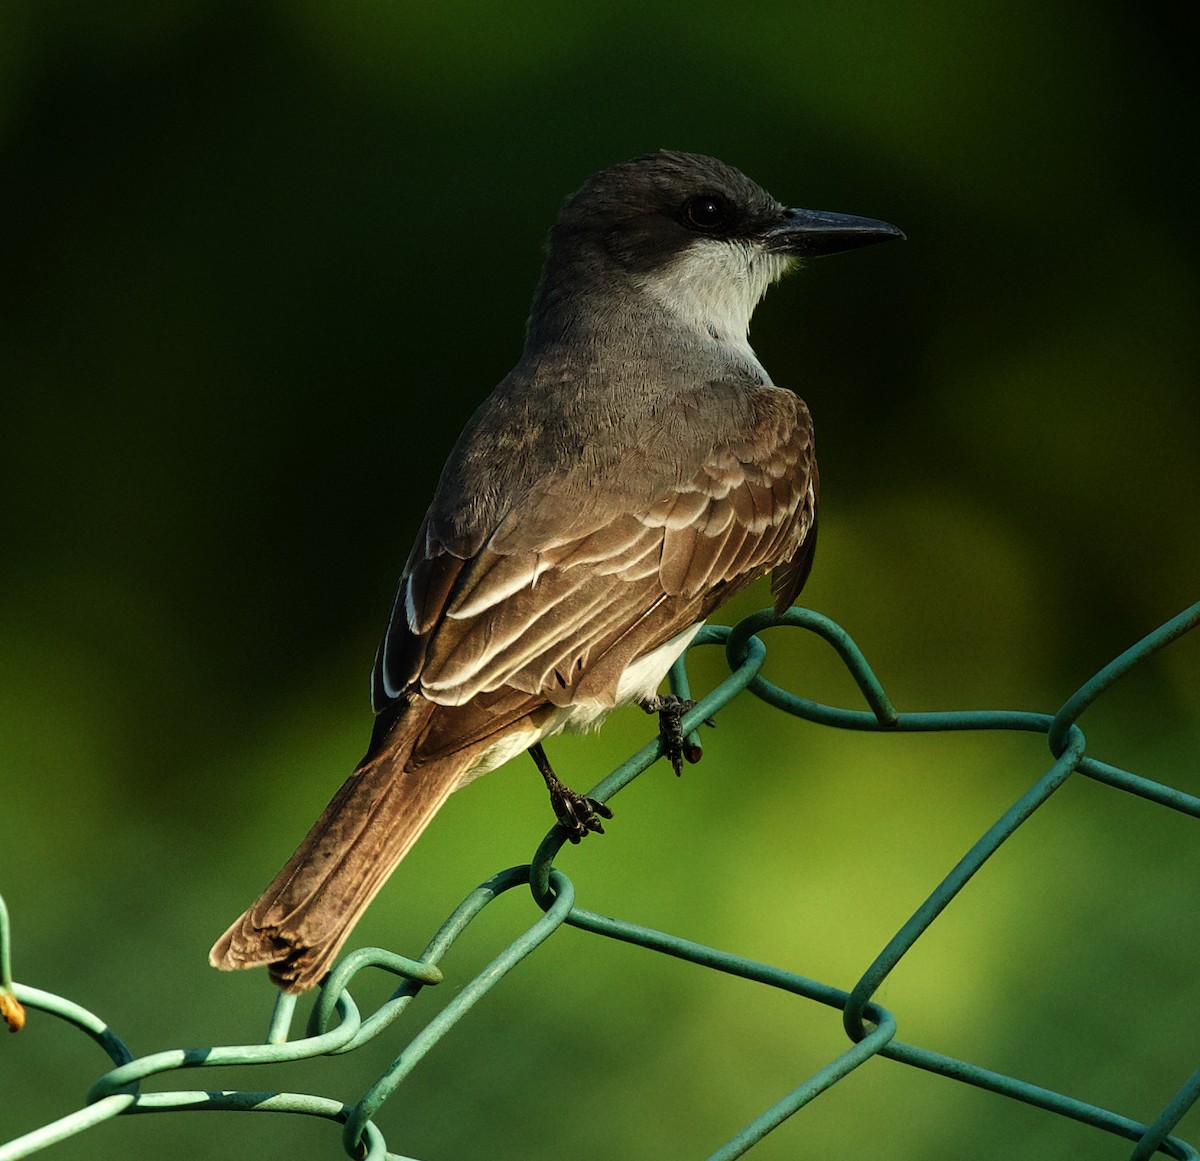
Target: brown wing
[(497, 633)]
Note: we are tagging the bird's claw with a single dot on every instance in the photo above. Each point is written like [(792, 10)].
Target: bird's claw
[(578, 814), (676, 748)]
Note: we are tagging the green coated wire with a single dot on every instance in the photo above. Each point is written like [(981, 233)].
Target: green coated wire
[(1156, 1135), (954, 882), (335, 1025), (466, 999), (1087, 693), (11, 1010)]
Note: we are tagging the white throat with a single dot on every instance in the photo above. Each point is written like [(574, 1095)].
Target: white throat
[(714, 286)]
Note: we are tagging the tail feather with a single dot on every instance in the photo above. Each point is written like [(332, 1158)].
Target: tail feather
[(299, 923)]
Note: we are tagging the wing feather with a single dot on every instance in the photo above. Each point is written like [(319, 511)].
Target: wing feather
[(491, 635)]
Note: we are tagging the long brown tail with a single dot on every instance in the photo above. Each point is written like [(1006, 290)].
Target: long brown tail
[(299, 923)]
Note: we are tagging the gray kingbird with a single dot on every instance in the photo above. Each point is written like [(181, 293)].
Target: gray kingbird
[(633, 471)]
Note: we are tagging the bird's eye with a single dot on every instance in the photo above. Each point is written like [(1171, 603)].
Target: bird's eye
[(707, 213)]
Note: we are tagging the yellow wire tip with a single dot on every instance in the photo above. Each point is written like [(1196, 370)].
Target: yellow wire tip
[(11, 1010)]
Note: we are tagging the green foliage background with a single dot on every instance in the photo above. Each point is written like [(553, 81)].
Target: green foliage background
[(260, 262)]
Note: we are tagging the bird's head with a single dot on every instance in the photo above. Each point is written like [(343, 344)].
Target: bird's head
[(696, 234)]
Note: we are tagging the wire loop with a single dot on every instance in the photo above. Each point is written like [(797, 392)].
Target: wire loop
[(335, 1025)]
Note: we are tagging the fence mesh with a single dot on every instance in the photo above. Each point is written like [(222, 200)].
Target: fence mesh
[(336, 1025)]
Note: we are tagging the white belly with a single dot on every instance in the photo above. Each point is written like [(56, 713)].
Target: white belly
[(640, 680)]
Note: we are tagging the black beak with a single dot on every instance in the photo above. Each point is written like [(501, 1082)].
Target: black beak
[(810, 233)]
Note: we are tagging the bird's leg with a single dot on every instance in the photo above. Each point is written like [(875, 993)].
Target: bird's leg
[(670, 709), (575, 811)]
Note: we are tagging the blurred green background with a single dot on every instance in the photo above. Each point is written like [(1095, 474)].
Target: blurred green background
[(259, 265)]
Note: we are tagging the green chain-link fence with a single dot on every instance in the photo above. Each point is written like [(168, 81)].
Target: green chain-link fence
[(335, 1024)]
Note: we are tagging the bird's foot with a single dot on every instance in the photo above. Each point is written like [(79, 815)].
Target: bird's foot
[(578, 814), (670, 709)]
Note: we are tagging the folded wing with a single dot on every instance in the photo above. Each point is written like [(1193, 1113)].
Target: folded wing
[(491, 632)]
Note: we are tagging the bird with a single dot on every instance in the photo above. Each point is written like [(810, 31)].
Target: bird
[(635, 470)]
